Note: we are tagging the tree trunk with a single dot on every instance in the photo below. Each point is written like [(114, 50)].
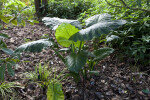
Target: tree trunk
[(41, 8), (37, 8), (45, 7)]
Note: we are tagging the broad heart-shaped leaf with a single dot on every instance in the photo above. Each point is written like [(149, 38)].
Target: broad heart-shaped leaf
[(102, 53), (54, 92), (54, 22), (75, 62), (35, 46), (96, 30), (98, 18), (64, 32)]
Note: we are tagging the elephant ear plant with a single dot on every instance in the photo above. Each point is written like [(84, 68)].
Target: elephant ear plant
[(73, 40)]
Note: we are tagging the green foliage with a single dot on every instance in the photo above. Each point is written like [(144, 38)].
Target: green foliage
[(98, 24), (102, 53), (75, 62), (53, 23), (48, 78), (8, 62), (133, 39), (35, 46), (78, 56), (69, 9), (54, 92), (64, 32), (6, 89), (16, 12), (128, 39), (40, 75)]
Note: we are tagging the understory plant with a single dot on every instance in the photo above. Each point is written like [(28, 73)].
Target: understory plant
[(7, 62), (73, 40), (7, 89), (134, 40), (69, 9), (16, 12), (49, 80)]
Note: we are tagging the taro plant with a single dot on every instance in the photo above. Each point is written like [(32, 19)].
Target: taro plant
[(73, 39)]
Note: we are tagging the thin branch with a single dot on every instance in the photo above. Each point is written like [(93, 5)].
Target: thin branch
[(112, 4), (124, 3), (125, 6)]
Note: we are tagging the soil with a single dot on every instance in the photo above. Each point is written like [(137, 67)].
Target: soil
[(117, 79)]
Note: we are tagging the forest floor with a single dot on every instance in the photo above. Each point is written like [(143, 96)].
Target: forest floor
[(117, 80)]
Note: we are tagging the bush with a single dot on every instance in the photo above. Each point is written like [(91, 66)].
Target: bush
[(67, 9)]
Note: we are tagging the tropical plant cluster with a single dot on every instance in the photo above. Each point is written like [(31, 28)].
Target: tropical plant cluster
[(126, 29)]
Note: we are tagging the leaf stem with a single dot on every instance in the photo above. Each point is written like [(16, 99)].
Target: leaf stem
[(80, 47)]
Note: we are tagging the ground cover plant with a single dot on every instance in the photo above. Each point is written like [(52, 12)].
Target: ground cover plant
[(101, 58)]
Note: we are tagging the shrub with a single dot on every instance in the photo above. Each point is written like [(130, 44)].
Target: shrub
[(67, 9)]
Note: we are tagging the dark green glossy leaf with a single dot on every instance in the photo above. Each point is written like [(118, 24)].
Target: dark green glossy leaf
[(2, 72), (35, 46), (3, 36), (53, 23), (98, 18), (96, 30), (10, 70), (102, 53), (8, 51), (75, 62), (54, 92)]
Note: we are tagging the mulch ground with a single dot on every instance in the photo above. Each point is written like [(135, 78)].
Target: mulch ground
[(117, 80)]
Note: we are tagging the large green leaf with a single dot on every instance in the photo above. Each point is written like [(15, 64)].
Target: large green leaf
[(102, 53), (75, 62), (54, 92), (53, 23), (64, 32), (96, 30), (35, 46), (98, 18)]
